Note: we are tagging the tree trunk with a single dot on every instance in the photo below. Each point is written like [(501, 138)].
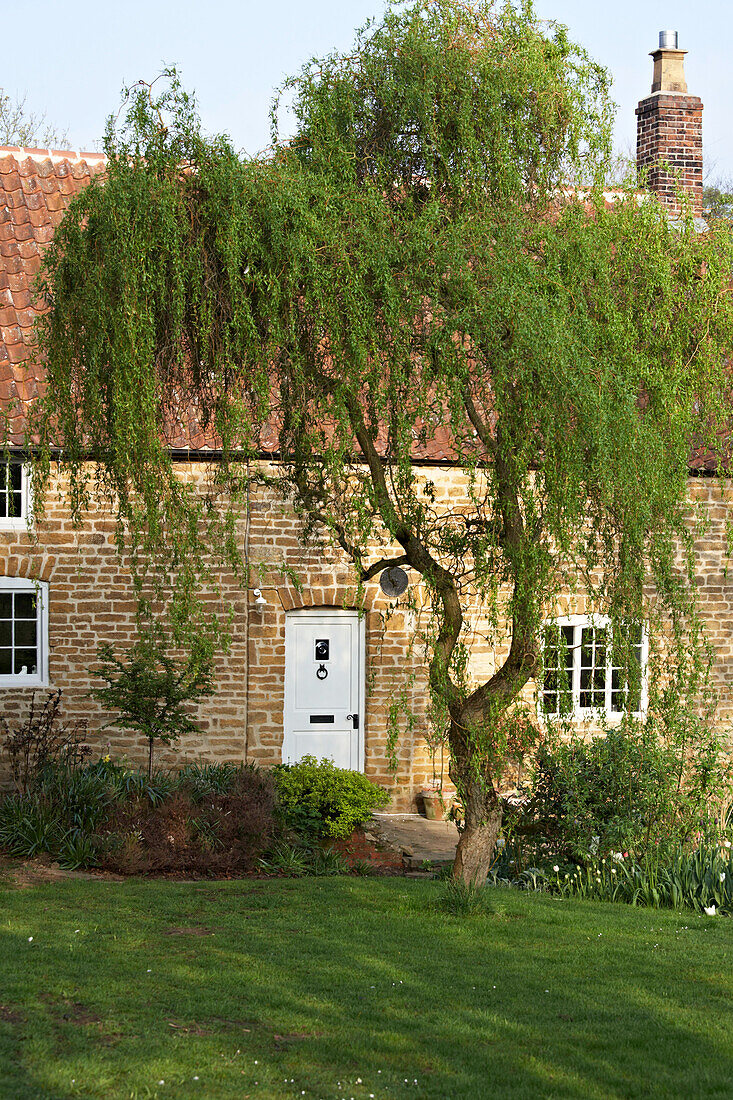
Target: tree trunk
[(478, 836)]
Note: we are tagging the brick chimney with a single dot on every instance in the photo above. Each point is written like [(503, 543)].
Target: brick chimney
[(669, 130)]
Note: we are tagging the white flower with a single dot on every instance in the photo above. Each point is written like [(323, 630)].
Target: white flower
[(555, 868), (726, 843), (722, 876), (710, 912)]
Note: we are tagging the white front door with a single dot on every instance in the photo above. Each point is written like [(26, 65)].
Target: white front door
[(324, 687)]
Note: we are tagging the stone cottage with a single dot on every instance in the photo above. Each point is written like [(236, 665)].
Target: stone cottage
[(307, 671)]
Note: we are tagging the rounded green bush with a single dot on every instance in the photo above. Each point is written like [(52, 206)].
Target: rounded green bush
[(317, 799)]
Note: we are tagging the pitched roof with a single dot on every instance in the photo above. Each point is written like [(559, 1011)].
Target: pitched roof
[(36, 186)]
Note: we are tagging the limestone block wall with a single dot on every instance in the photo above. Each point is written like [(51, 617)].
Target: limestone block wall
[(91, 601)]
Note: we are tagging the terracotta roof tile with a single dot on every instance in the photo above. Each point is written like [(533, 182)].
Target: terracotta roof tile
[(33, 199), (36, 186)]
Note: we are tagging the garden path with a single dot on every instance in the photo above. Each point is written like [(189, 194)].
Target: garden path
[(418, 839)]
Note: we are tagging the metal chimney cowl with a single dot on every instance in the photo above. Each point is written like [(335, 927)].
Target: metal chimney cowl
[(669, 69)]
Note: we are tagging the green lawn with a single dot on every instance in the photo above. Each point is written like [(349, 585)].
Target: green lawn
[(350, 987)]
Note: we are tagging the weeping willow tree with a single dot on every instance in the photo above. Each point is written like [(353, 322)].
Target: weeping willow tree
[(428, 266)]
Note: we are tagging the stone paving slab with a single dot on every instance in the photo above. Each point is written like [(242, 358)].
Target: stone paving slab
[(417, 838)]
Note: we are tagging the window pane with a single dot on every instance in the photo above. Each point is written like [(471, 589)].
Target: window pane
[(6, 605), (5, 668), (566, 702), (6, 633), (551, 647), (16, 477), (25, 658), (25, 633), (627, 673), (25, 605), (15, 504), (558, 675), (549, 702)]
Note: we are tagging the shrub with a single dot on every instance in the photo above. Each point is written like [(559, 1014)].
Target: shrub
[(210, 822), (152, 691), (632, 789), (316, 798), (41, 738), (217, 833)]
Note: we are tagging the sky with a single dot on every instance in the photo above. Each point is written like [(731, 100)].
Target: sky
[(73, 58)]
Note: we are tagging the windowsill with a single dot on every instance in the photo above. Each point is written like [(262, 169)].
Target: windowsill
[(20, 683), (20, 524)]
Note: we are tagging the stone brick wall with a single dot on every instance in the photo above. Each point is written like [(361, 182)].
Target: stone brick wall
[(91, 601), (669, 147)]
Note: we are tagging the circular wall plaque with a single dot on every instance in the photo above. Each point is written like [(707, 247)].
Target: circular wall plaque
[(393, 581)]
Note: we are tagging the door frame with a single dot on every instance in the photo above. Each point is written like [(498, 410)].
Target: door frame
[(342, 613)]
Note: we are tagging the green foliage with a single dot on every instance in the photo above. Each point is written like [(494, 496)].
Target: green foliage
[(699, 878), (301, 860), (717, 202), (315, 798), (463, 899), (640, 787), (40, 737), (206, 818), (152, 691), (203, 779), (410, 261)]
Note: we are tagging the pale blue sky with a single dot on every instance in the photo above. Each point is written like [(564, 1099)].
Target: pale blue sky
[(72, 58)]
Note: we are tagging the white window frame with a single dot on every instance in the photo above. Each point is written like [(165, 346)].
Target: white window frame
[(21, 522), (584, 713), (40, 591)]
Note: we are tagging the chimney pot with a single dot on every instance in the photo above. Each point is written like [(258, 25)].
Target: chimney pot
[(668, 40)]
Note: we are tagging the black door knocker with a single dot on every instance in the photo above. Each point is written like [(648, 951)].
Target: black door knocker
[(322, 654)]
